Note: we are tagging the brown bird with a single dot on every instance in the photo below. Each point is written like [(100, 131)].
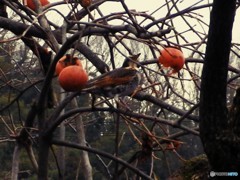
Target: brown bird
[(118, 82)]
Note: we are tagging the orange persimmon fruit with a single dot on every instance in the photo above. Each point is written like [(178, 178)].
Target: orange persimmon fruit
[(73, 78), (31, 4), (172, 57), (65, 61), (85, 3)]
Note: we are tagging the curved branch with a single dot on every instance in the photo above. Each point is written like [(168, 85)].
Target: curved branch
[(55, 122), (19, 28), (177, 14), (147, 97), (107, 155)]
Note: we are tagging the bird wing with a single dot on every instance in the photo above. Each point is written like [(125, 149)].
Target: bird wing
[(112, 78)]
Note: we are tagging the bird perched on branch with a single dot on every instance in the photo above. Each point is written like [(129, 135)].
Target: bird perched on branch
[(118, 82)]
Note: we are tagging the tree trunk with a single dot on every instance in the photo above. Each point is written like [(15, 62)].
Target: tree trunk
[(15, 162), (84, 158), (44, 146), (223, 155), (61, 154)]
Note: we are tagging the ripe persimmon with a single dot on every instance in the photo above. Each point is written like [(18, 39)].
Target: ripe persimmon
[(85, 3), (172, 57), (31, 4), (65, 61), (73, 78)]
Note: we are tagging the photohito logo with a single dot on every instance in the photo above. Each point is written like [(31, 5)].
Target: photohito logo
[(213, 174), (232, 174)]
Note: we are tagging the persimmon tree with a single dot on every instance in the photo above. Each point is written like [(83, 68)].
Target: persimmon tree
[(41, 118)]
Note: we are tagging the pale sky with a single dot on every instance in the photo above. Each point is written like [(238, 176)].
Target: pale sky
[(152, 5)]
